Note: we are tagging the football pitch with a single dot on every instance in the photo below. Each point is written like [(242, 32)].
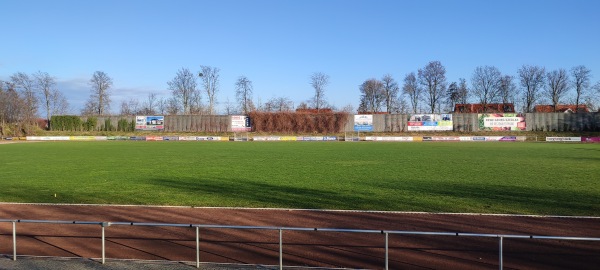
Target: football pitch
[(511, 178)]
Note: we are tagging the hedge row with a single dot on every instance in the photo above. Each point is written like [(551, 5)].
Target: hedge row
[(75, 123), (296, 123)]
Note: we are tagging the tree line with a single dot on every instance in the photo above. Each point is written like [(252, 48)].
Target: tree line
[(427, 90), (188, 91), (24, 97)]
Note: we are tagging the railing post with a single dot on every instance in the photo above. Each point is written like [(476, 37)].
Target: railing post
[(104, 224), (103, 246), (280, 249), (197, 247), (386, 251), (14, 240), (500, 255)]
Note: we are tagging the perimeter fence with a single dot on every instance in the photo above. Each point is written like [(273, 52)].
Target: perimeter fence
[(281, 230)]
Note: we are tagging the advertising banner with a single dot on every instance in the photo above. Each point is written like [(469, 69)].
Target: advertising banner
[(446, 139), (430, 122), (117, 138), (501, 121), (493, 139), (89, 138), (240, 123), (363, 122), (591, 139), (563, 139), (266, 138), (48, 138), (389, 139), (211, 138), (274, 138), (143, 122), (316, 138)]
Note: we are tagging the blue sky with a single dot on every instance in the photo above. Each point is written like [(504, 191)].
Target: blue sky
[(279, 44)]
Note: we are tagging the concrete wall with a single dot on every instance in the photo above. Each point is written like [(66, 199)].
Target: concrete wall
[(463, 122)]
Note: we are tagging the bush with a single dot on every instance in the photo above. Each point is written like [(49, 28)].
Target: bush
[(294, 123), (108, 125), (65, 123), (90, 124)]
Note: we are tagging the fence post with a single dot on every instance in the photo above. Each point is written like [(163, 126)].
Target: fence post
[(104, 224), (280, 249), (501, 255), (197, 247), (386, 251), (14, 240)]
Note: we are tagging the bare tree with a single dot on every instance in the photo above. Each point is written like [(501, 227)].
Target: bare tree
[(25, 85), (183, 90), (402, 106), (486, 84), (594, 99), (125, 109), (349, 108), (463, 91), (210, 82), (558, 85), (279, 104), (173, 106), (58, 104), (131, 107), (90, 108), (412, 89), (433, 78), (319, 81), (390, 91), (99, 101), (508, 89), (12, 106), (148, 107), (458, 93), (52, 99), (302, 106), (229, 107), (532, 80), (453, 95), (372, 96), (243, 93), (581, 82), (162, 105)]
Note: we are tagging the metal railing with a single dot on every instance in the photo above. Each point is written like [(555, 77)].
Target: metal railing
[(197, 227)]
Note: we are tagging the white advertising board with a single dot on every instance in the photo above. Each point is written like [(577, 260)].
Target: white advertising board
[(240, 123), (143, 122), (563, 139)]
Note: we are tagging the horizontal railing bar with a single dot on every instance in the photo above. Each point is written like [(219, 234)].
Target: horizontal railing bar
[(422, 233), (348, 230), (54, 221), (149, 224), (208, 226), (566, 238), (493, 235)]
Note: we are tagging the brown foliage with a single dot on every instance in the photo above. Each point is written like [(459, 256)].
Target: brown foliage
[(295, 123)]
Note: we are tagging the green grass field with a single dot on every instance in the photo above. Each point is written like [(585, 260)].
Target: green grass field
[(523, 178)]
